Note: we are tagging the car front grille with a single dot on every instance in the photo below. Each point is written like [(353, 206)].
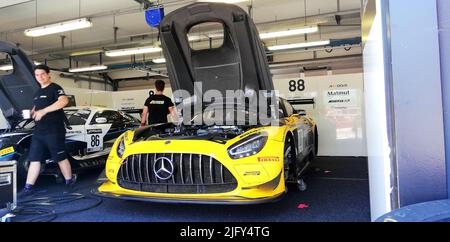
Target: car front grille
[(192, 174)]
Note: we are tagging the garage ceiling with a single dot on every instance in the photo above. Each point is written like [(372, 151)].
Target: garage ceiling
[(128, 16)]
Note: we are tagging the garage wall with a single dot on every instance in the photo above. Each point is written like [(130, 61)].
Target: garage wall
[(125, 100), (86, 97), (71, 83), (338, 109), (141, 85)]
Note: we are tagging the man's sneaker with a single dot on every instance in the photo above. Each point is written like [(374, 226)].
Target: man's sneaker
[(26, 193), (70, 187)]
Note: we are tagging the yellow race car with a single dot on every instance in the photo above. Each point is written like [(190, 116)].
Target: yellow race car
[(203, 161)]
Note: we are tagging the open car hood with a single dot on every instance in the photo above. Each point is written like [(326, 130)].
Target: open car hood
[(239, 64), (17, 88)]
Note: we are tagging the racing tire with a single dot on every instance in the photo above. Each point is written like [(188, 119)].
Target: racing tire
[(289, 159)]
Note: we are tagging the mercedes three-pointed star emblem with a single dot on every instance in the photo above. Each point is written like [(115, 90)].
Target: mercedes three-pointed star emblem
[(163, 168)]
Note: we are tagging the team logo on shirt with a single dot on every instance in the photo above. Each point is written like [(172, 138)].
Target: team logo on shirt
[(61, 92), (157, 102)]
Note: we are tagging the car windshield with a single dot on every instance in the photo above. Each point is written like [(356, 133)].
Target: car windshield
[(220, 116), (77, 117)]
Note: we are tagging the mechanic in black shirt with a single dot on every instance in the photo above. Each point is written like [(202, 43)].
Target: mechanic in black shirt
[(158, 106), (49, 133)]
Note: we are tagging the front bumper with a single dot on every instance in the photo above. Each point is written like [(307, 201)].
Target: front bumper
[(216, 201), (271, 191), (201, 169)]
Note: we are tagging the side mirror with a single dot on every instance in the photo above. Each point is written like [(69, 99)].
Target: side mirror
[(101, 120), (301, 112)]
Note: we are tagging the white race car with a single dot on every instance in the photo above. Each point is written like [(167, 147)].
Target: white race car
[(90, 134)]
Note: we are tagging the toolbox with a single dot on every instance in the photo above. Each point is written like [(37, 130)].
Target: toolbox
[(8, 185)]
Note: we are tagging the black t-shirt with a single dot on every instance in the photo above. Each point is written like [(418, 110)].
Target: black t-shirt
[(158, 108), (53, 122)]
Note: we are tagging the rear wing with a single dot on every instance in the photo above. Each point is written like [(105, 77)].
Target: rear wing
[(302, 101)]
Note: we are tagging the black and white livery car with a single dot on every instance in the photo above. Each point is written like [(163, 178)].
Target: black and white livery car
[(89, 137)]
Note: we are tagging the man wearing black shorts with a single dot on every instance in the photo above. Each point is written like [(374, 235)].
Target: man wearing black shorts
[(158, 106), (50, 132)]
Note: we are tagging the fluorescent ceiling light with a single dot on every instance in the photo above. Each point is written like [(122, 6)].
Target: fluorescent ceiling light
[(291, 32), (59, 27), (159, 60), (299, 45), (86, 52), (222, 1), (194, 37), (6, 68), (268, 35), (133, 51), (37, 63), (89, 68)]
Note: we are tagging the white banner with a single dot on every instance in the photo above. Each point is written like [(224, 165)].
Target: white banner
[(338, 109)]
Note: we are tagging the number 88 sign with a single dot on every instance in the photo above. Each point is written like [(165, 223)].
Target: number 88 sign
[(297, 85)]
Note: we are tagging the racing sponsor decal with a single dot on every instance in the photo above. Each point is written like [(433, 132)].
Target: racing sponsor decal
[(74, 132), (257, 131), (157, 102), (252, 173), (269, 159), (342, 98), (7, 151), (94, 131)]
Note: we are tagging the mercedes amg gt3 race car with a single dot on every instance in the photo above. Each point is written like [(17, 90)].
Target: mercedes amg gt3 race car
[(199, 162), (91, 130)]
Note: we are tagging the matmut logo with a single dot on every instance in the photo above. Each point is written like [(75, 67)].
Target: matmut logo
[(269, 159)]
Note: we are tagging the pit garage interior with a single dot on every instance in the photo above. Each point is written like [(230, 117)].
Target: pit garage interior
[(372, 74)]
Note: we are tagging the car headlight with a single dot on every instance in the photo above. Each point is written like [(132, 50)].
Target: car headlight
[(248, 147), (121, 147)]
